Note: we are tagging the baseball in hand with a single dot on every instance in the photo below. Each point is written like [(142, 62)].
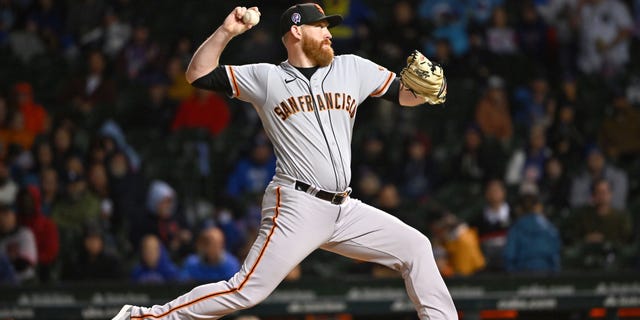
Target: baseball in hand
[(251, 17)]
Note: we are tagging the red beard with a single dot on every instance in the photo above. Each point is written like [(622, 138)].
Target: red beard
[(319, 54)]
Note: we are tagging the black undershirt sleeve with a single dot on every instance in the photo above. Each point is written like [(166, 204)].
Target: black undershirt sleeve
[(217, 80), (393, 93)]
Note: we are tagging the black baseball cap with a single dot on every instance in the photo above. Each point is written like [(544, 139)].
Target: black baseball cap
[(306, 13)]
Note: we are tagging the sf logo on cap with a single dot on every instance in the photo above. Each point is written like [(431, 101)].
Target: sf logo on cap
[(295, 17)]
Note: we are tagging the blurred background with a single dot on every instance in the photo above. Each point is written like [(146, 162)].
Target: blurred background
[(114, 171)]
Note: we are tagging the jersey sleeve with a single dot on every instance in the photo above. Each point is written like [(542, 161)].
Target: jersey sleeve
[(375, 80), (248, 82)]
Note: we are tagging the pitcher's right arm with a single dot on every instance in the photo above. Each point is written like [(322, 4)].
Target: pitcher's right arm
[(207, 57)]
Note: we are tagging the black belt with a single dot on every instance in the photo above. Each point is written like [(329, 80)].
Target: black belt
[(333, 197)]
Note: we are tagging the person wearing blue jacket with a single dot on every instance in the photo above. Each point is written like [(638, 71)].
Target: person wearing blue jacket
[(155, 265), (533, 243), (211, 262)]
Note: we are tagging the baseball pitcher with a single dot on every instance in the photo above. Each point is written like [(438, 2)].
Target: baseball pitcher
[(308, 105)]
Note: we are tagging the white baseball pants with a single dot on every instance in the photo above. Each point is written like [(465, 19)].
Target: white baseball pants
[(294, 224)]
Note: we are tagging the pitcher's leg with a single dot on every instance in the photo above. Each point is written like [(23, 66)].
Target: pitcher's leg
[(286, 237), (369, 234)]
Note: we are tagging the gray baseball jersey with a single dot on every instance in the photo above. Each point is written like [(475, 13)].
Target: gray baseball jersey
[(310, 122)]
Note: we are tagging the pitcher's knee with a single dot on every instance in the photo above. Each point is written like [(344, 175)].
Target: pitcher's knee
[(418, 246)]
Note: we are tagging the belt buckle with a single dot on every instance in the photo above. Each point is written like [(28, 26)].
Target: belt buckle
[(339, 198)]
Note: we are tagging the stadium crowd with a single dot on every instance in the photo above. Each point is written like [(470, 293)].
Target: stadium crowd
[(113, 167)]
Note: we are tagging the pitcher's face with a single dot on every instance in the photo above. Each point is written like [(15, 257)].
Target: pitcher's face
[(316, 43)]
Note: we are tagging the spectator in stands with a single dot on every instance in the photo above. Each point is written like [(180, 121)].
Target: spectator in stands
[(563, 17), (155, 114), (565, 138), (50, 190), (179, 89), (493, 113), (462, 253), (456, 68), (20, 125), (111, 36), (533, 242), (451, 26), (569, 93), (35, 117), (114, 140), (418, 174), (162, 219), (252, 174), (477, 160), (183, 50), (43, 228), (597, 168), (75, 164), (619, 134), (476, 63), (98, 185), (94, 87), (606, 27), (18, 244), (448, 18), (493, 224), (22, 168), (98, 181), (97, 152), (140, 53), (49, 18), (211, 262), (127, 191), (93, 261), (554, 188), (43, 153), (8, 188), (155, 266), (62, 148), (532, 33), (25, 43), (204, 109), (16, 137), (373, 156), (536, 105), (501, 36), (600, 222), (528, 163), (76, 209)]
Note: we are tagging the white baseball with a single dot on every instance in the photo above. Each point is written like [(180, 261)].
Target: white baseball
[(251, 17)]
